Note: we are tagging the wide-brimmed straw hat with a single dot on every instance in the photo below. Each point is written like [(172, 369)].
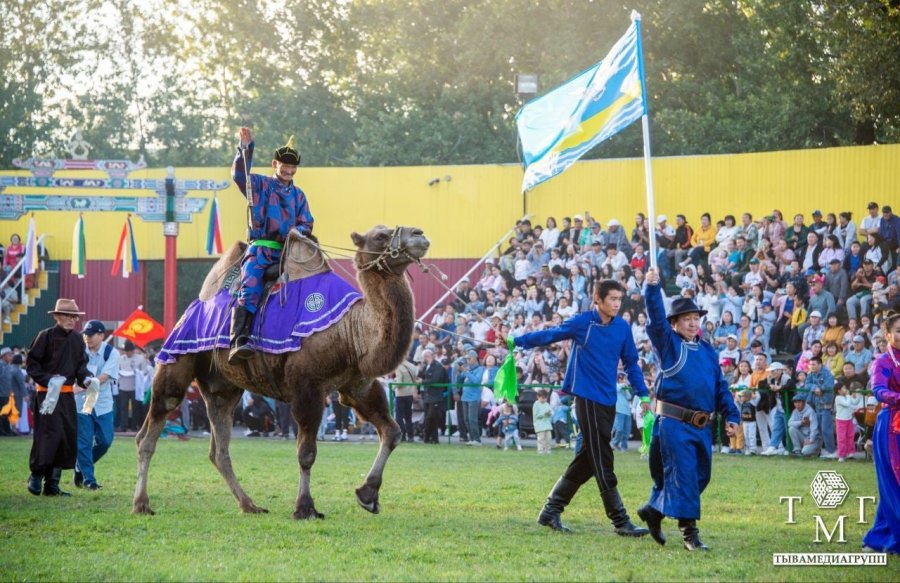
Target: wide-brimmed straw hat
[(66, 306)]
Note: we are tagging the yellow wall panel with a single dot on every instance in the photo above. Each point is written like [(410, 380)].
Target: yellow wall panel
[(468, 213)]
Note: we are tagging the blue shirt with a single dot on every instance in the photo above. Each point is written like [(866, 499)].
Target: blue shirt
[(597, 349), (97, 366)]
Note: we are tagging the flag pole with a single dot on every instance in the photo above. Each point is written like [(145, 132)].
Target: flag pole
[(645, 126)]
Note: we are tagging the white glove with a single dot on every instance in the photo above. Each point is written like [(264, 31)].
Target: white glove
[(92, 390), (52, 398)]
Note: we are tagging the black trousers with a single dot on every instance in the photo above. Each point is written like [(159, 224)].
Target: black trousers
[(434, 414), (126, 419), (286, 423), (595, 458), (341, 416), (403, 414), (461, 424)]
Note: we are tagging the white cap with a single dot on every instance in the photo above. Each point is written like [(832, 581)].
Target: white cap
[(578, 218), (662, 219), (815, 314), (613, 223), (731, 337), (775, 366)]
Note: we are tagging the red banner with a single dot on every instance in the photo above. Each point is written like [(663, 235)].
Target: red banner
[(141, 329)]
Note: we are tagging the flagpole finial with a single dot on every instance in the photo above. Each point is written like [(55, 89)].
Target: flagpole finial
[(635, 15)]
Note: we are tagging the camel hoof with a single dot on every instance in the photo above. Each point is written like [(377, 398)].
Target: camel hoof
[(142, 508), (368, 499), (251, 508), (309, 513)]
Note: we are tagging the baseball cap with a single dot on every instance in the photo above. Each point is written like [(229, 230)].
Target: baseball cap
[(472, 354), (578, 218), (858, 338), (817, 213), (754, 261), (731, 337), (5, 350), (613, 223), (93, 327), (489, 261), (775, 366), (661, 218), (798, 397), (815, 314), (726, 362)]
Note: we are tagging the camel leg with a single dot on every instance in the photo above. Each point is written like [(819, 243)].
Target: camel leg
[(169, 386), (307, 408), (373, 406), (220, 404)]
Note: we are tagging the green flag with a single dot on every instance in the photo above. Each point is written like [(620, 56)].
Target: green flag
[(505, 382)]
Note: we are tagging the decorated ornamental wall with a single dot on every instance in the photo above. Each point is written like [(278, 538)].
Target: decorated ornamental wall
[(463, 209)]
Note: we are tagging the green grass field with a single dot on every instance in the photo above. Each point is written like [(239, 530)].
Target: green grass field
[(448, 513)]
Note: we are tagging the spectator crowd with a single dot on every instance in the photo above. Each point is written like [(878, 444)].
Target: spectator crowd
[(793, 309)]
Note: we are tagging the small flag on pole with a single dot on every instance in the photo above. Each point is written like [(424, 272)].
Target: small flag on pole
[(78, 248), (558, 128), (140, 328), (214, 232), (31, 250), (126, 253)]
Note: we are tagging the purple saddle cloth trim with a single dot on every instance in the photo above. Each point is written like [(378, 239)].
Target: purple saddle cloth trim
[(291, 313)]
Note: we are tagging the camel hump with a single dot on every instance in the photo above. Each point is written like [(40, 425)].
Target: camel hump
[(225, 273)]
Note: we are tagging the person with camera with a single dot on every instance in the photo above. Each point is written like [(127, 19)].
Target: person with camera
[(690, 393)]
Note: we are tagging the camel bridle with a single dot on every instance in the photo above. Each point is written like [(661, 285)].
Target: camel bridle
[(395, 249)]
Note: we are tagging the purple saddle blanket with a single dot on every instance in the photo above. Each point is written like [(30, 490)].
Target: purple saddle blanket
[(291, 312)]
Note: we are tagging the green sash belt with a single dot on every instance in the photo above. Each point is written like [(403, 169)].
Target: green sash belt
[(267, 243)]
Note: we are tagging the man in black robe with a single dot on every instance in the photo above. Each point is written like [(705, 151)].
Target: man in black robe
[(56, 352)]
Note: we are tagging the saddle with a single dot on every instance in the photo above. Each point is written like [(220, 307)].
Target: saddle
[(300, 258)]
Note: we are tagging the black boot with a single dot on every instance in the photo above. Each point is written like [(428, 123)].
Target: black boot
[(691, 535), (35, 484), (51, 484), (241, 320), (559, 498), (616, 512), (654, 519)]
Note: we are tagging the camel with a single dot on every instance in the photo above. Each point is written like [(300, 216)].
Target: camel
[(371, 340)]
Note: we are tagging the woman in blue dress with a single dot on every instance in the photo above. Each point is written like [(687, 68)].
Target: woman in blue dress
[(884, 535), (690, 390)]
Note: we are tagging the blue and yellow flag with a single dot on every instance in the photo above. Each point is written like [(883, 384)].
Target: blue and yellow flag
[(558, 128)]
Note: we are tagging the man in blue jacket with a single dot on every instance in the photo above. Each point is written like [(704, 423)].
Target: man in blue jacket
[(690, 391), (600, 339)]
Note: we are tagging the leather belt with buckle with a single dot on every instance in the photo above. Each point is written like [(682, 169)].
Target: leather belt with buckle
[(698, 419)]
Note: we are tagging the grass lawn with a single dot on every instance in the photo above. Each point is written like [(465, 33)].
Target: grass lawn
[(448, 513)]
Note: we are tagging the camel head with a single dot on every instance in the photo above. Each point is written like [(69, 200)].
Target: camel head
[(389, 250)]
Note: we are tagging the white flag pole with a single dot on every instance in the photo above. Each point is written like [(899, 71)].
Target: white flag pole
[(645, 126)]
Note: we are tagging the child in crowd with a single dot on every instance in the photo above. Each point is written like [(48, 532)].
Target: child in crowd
[(845, 406), (561, 422), (622, 425), (736, 441), (508, 424), (542, 414), (748, 421)]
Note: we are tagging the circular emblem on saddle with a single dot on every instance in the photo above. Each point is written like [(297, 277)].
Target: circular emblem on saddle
[(314, 302)]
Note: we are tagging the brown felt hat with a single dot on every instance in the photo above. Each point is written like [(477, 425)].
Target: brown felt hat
[(66, 306)]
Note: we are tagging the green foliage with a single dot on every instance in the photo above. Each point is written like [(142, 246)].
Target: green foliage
[(422, 82), (446, 511)]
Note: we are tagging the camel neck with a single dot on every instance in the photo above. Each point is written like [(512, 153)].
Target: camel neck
[(389, 316)]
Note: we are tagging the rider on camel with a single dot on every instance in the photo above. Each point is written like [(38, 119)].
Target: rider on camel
[(275, 205)]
